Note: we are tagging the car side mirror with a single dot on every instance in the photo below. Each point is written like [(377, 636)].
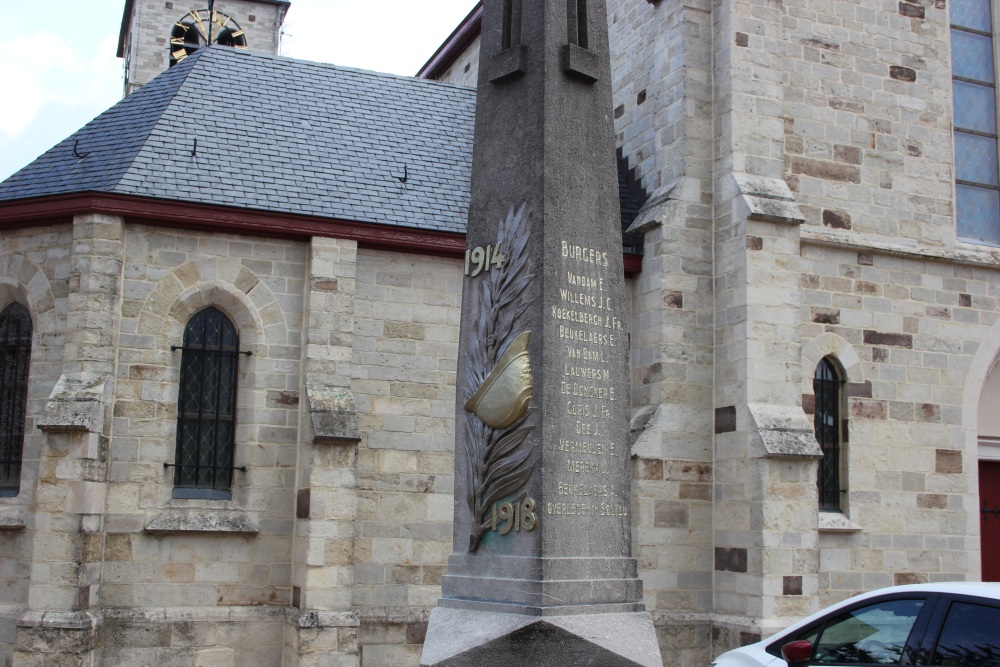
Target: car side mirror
[(797, 653)]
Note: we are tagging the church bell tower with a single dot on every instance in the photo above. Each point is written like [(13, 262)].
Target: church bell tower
[(156, 34)]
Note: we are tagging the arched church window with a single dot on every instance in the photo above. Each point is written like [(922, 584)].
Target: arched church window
[(828, 388), (206, 407), (15, 358), (974, 90)]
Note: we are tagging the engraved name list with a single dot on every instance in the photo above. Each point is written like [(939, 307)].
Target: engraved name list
[(590, 326)]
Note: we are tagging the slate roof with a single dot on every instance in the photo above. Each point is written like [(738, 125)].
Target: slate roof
[(267, 133), (276, 134)]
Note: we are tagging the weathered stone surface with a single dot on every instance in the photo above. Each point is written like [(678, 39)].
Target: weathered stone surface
[(76, 404), (767, 199), (911, 10), (202, 521), (59, 634), (12, 518), (886, 338), (730, 559), (900, 73), (837, 219), (784, 431), (334, 418)]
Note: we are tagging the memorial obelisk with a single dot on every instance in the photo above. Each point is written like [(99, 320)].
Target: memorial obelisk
[(541, 571)]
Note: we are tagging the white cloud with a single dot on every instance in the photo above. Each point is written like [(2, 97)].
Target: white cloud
[(27, 62), (391, 36), (43, 70), (60, 77)]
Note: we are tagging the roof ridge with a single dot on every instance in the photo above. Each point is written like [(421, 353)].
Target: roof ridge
[(190, 63), (342, 68)]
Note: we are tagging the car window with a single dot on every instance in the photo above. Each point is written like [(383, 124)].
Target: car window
[(970, 637), (871, 635)]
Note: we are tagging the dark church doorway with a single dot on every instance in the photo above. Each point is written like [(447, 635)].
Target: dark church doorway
[(989, 518)]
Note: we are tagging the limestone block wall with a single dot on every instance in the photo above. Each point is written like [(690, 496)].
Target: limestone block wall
[(909, 331), (846, 103), (218, 560), (867, 149), (661, 74), (34, 271), (465, 70), (661, 67), (407, 314), (867, 113)]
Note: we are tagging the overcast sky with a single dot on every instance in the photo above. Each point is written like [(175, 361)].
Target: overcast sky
[(58, 67)]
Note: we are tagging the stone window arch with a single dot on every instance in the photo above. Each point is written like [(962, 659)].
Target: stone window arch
[(853, 442), (15, 360), (206, 407), (830, 424)]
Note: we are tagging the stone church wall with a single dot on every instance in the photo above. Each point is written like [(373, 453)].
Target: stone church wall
[(34, 271), (906, 330), (407, 315), (465, 70), (802, 209), (185, 576)]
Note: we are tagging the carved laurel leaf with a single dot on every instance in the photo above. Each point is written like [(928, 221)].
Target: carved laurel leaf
[(500, 461), (507, 444)]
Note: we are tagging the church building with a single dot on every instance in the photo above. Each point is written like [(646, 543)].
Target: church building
[(229, 332)]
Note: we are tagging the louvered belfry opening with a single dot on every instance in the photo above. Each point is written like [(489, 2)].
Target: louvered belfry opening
[(827, 387), (206, 407), (15, 359)]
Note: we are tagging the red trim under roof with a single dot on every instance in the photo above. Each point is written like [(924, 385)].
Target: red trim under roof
[(454, 46), (60, 209)]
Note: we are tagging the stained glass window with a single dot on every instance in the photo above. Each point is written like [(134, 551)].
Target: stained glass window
[(206, 407), (15, 357), (977, 181), (829, 433)]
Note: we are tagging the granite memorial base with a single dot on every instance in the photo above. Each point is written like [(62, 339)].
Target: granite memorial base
[(465, 638)]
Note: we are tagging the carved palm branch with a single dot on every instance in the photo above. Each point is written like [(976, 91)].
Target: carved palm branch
[(500, 461)]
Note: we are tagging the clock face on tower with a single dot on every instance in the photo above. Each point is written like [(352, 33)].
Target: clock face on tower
[(200, 27)]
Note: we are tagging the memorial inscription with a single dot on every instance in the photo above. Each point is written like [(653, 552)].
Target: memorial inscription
[(587, 459)]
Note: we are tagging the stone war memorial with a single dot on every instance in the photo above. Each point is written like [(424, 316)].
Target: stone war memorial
[(542, 571)]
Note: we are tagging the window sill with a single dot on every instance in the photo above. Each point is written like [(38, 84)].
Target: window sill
[(12, 518), (836, 522), (232, 522)]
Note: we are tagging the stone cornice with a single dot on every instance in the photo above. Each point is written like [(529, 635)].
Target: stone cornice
[(978, 257)]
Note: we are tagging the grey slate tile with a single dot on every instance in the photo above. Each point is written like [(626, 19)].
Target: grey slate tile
[(299, 137)]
